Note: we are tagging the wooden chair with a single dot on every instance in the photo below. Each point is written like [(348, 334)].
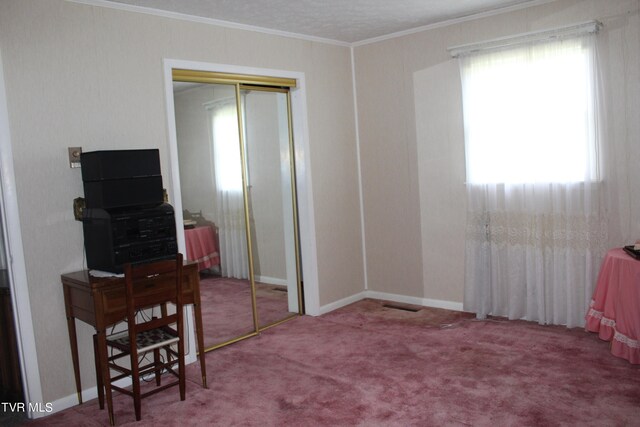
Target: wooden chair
[(148, 285)]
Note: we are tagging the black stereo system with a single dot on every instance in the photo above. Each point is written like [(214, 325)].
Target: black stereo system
[(125, 219)]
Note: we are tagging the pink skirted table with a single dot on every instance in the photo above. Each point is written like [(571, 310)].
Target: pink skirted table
[(614, 311), (202, 247)]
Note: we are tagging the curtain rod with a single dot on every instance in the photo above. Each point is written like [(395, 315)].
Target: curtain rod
[(534, 36)]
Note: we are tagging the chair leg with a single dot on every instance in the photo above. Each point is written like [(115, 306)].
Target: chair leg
[(99, 383), (168, 355), (181, 369), (135, 378), (156, 363)]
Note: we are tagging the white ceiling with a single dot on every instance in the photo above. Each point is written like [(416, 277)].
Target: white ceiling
[(345, 21)]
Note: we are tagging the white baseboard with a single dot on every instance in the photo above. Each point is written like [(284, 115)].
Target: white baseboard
[(341, 303), (426, 302), (92, 393), (404, 299), (271, 280), (72, 399)]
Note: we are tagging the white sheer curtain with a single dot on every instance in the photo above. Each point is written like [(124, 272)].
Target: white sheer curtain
[(536, 224), (229, 196)]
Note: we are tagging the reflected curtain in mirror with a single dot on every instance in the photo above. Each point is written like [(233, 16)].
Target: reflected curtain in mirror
[(229, 196)]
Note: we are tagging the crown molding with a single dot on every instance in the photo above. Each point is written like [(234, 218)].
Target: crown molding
[(237, 26), (454, 21), (209, 21)]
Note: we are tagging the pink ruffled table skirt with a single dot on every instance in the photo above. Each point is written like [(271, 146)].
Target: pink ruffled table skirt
[(614, 311), (202, 247)]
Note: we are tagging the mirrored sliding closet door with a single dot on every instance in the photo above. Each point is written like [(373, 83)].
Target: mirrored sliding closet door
[(270, 196), (238, 200)]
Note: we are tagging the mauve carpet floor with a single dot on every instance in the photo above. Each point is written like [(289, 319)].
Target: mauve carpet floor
[(371, 365), (226, 307)]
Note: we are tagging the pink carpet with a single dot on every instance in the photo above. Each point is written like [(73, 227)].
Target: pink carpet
[(226, 307), (371, 365)]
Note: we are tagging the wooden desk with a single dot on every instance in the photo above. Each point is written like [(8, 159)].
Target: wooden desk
[(100, 302)]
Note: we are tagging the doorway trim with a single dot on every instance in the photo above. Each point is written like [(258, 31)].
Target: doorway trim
[(26, 342), (302, 160)]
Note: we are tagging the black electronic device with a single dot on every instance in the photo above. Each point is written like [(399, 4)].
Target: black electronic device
[(116, 237), (118, 164), (121, 178), (125, 219), (632, 251), (122, 193)]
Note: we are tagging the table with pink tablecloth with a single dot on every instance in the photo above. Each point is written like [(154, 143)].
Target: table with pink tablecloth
[(202, 246), (614, 311)]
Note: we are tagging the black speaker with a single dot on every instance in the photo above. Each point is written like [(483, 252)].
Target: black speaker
[(118, 164), (121, 178), (126, 192)]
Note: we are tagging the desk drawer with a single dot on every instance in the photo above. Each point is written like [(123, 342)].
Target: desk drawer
[(113, 298)]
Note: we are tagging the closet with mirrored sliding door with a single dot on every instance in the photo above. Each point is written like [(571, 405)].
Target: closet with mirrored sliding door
[(238, 193)]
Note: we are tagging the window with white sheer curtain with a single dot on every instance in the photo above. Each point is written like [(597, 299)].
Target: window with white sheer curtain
[(229, 196), (535, 224), (226, 147), (529, 114)]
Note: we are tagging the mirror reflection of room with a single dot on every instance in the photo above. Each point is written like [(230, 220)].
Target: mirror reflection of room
[(271, 210), (213, 203)]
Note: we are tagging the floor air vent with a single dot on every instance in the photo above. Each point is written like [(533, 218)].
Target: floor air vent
[(401, 307)]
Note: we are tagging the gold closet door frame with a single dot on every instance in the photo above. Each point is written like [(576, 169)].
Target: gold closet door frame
[(194, 76), (294, 192), (265, 84)]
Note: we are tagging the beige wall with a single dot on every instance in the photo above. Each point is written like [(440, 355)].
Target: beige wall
[(79, 75), (412, 142)]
